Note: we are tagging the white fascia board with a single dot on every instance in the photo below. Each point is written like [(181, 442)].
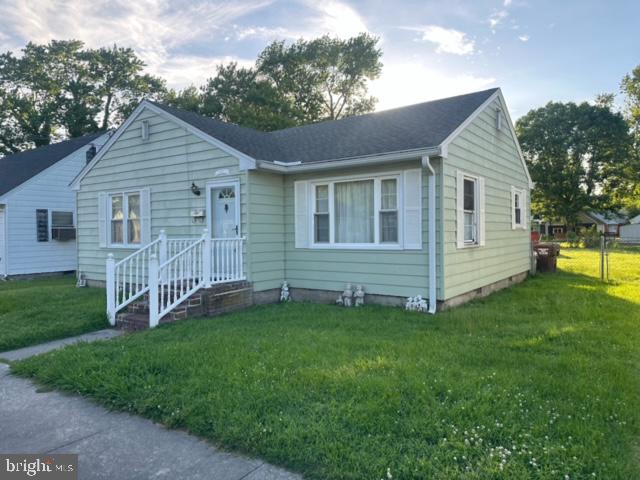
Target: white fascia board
[(297, 167), (246, 162), (498, 94)]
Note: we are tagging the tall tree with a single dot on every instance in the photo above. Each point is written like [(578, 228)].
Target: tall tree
[(119, 84), (34, 88), (291, 84), (629, 193), (577, 155), (62, 89)]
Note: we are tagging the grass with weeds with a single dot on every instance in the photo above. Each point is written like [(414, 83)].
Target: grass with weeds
[(538, 381), (43, 309)]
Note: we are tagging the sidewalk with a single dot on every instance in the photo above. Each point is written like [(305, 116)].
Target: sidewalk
[(110, 445)]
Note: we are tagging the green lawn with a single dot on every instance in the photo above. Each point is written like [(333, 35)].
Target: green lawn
[(43, 309), (539, 381)]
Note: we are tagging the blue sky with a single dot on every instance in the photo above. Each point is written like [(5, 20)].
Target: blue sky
[(535, 50)]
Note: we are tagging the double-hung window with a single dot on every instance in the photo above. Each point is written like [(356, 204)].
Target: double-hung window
[(321, 215), (470, 211), (518, 199), (356, 212), (124, 220)]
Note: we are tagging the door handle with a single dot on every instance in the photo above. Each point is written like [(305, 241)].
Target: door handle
[(236, 230)]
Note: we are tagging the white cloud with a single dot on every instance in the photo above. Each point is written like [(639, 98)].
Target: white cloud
[(497, 18), (408, 82), (506, 3), (448, 40), (524, 38), (153, 28), (334, 18)]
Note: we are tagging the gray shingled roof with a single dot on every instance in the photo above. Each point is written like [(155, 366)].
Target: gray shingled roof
[(18, 168), (417, 126)]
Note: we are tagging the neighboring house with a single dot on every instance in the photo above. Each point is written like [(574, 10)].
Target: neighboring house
[(605, 222), (37, 207), (635, 219), (430, 199)]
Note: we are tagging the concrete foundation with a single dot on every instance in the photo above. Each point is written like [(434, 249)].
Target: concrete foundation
[(482, 291)]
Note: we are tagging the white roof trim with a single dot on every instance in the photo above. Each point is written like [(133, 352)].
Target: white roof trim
[(348, 162), (498, 94), (246, 162)]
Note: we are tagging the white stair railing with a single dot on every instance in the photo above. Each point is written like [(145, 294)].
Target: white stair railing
[(128, 279), (227, 260), (175, 280), (171, 270)]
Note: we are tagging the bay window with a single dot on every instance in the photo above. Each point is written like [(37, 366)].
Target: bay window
[(356, 212)]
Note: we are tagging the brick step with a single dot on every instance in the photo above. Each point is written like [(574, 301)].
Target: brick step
[(211, 301), (132, 322)]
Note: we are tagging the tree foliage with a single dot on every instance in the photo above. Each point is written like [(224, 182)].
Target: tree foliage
[(63, 89), (629, 193), (577, 156), (291, 84)]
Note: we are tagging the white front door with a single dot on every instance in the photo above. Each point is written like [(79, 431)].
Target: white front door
[(3, 244), (225, 211)]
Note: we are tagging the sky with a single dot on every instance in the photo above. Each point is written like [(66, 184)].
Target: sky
[(535, 50)]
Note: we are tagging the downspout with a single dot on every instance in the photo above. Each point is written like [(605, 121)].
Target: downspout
[(431, 191)]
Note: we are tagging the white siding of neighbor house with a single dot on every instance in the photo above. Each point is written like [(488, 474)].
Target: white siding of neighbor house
[(167, 163), (483, 150), (49, 190)]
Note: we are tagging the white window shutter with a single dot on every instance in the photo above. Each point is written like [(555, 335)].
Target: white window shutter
[(301, 210), (412, 195), (460, 209), (525, 209), (513, 208), (145, 215), (482, 216), (102, 219)]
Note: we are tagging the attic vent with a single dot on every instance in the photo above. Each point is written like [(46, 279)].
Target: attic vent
[(499, 119), (145, 130), (90, 153)]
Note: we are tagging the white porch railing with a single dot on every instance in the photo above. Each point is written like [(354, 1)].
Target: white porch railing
[(171, 270)]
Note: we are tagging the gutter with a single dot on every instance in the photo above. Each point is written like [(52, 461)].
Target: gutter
[(433, 301), (295, 167)]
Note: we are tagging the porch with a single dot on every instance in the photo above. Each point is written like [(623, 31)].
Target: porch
[(159, 279)]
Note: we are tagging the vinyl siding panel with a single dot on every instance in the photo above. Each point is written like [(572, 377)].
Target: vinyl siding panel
[(482, 150), (265, 242), (383, 272), (47, 190), (167, 163)]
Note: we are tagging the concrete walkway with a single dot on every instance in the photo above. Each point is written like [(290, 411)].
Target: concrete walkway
[(109, 444), (47, 347)]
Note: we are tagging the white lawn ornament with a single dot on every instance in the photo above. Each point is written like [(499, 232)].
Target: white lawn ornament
[(347, 295), (359, 296), (416, 304), (284, 292)]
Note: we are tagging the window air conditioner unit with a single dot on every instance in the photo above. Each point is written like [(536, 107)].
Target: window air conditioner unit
[(63, 234)]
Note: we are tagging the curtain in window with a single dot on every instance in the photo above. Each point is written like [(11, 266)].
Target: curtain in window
[(354, 212), (117, 217), (133, 224)]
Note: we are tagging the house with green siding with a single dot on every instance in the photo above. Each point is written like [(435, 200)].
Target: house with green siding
[(180, 213)]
